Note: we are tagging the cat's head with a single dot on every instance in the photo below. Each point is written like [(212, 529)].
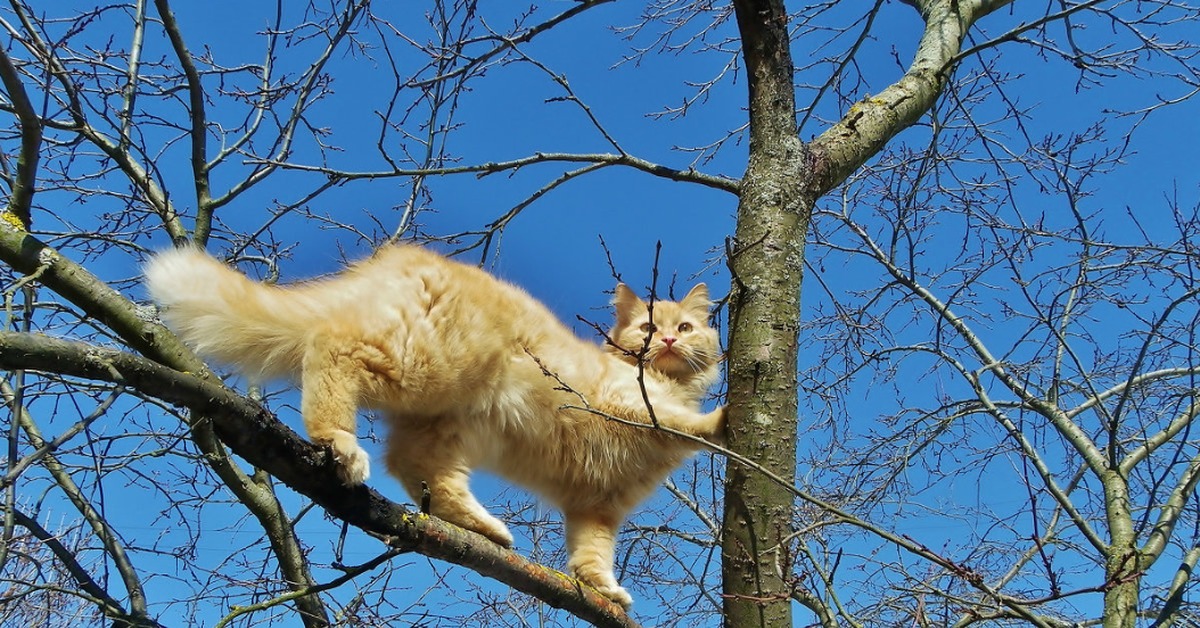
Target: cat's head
[(682, 345)]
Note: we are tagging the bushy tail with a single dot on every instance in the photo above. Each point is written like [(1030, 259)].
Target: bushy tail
[(223, 315)]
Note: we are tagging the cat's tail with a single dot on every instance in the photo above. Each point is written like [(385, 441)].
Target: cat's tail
[(225, 316)]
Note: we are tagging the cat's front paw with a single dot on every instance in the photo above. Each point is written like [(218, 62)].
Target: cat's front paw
[(494, 530), (353, 463), (715, 427), (607, 585), (617, 594)]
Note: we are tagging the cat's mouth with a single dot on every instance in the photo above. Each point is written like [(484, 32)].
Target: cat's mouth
[(676, 369), (668, 359)]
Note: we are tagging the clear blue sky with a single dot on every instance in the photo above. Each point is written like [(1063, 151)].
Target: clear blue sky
[(553, 249)]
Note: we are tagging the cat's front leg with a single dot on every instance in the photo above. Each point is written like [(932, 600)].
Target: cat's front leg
[(709, 426), (712, 426), (329, 396), (591, 542)]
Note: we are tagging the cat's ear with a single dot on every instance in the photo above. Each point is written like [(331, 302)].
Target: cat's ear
[(697, 300), (627, 304)]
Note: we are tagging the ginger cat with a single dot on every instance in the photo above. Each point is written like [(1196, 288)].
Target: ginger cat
[(470, 372)]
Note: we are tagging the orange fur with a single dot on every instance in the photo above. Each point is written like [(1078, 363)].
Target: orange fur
[(471, 372)]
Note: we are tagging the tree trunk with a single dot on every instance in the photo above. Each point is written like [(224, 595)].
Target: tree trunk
[(766, 260), (1122, 567), (782, 182)]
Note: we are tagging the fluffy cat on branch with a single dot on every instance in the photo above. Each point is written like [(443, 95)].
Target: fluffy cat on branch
[(470, 372)]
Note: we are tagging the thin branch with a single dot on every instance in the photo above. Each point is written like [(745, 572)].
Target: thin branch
[(95, 592), (1072, 432), (689, 175), (312, 590), (509, 43), (198, 135), (1018, 606), (95, 519), (129, 92), (304, 97)]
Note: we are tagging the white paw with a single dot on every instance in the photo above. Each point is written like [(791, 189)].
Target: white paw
[(482, 523), (353, 463), (499, 534), (608, 587), (617, 594)]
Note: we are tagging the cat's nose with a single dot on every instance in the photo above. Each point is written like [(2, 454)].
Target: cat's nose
[(668, 340)]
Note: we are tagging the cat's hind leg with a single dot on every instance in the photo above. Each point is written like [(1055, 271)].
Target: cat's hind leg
[(591, 543), (434, 455), (331, 384)]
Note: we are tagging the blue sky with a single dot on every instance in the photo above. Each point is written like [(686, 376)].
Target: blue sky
[(553, 249)]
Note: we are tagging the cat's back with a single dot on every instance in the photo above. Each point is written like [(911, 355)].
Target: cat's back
[(413, 273), (450, 327), (407, 274), (457, 303)]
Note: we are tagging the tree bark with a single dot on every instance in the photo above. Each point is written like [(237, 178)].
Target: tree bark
[(766, 259), (1123, 565)]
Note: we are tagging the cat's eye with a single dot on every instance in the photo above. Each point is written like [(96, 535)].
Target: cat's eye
[(685, 328), (649, 328)]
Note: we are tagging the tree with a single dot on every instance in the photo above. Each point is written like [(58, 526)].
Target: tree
[(986, 343)]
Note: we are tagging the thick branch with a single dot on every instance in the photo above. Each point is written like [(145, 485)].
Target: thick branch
[(28, 255), (1160, 438), (766, 267), (1170, 512), (255, 435), (1179, 586), (21, 201), (873, 121), (292, 558)]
